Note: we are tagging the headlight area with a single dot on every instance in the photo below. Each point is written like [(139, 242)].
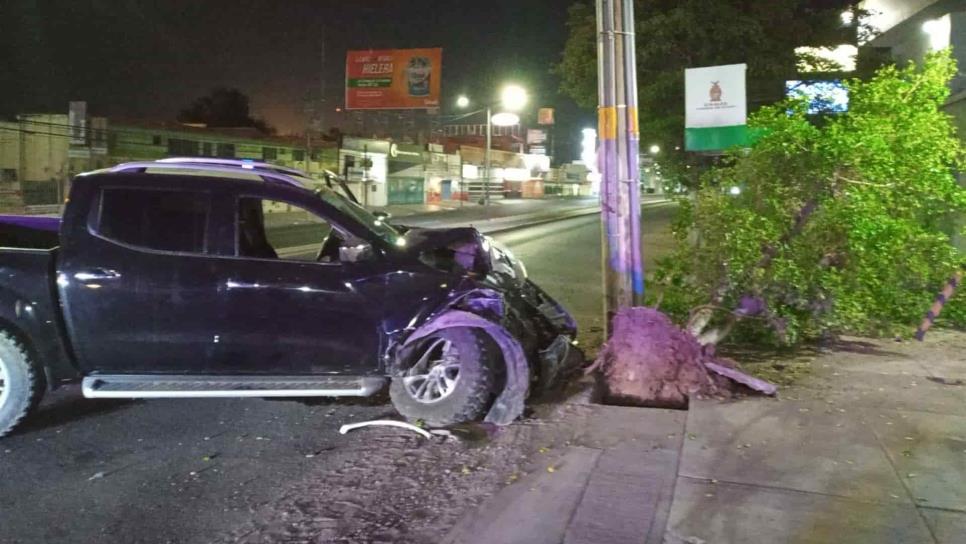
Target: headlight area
[(502, 261)]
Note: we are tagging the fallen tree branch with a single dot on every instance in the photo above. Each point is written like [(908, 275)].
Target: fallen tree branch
[(840, 177), (937, 306)]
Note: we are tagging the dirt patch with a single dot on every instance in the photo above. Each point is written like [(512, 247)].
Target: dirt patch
[(397, 487), (649, 361)]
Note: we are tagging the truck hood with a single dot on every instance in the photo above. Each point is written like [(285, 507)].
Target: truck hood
[(466, 250)]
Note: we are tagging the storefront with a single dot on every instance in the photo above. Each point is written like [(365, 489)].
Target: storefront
[(406, 175)]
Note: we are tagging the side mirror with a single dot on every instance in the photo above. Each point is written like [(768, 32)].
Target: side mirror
[(356, 253), (382, 216)]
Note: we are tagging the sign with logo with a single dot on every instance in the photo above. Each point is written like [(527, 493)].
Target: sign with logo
[(393, 79), (716, 107)]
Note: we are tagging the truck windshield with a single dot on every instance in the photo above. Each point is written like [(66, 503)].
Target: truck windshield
[(360, 214)]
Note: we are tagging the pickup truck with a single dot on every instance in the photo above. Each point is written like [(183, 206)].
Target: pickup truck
[(222, 278)]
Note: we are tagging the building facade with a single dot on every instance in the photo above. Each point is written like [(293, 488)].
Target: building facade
[(40, 154), (909, 29)]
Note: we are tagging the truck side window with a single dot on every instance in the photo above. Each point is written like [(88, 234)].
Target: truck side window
[(155, 219), (270, 229)]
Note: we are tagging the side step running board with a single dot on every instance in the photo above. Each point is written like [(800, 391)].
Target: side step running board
[(161, 387)]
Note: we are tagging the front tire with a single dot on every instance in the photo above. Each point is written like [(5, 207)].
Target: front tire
[(451, 381), (21, 386)]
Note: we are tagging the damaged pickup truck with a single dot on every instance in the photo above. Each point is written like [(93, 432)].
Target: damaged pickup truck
[(217, 278)]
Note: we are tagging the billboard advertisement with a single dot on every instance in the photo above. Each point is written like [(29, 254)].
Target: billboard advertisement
[(822, 96), (393, 79)]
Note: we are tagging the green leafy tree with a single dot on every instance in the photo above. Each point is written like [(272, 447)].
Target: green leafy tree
[(839, 226), (673, 35), (223, 107)]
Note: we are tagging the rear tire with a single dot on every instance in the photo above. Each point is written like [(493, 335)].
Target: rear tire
[(451, 381), (21, 386)]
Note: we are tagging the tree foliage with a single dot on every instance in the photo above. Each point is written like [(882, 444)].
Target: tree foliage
[(673, 35), (223, 107), (873, 191)]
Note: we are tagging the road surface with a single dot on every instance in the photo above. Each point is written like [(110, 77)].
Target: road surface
[(85, 471)]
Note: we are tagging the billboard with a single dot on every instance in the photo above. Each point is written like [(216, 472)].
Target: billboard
[(823, 96), (716, 107), (393, 79)]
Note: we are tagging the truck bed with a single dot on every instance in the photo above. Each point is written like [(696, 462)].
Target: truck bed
[(29, 300), (29, 232)]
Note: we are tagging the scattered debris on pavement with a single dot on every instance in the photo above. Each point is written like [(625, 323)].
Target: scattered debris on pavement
[(385, 423)]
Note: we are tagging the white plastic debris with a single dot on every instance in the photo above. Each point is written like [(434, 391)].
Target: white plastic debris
[(384, 423)]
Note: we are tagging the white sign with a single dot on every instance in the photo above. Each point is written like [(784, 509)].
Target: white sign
[(715, 96), (536, 136), (77, 119)]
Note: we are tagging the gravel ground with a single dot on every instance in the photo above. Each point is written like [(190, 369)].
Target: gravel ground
[(394, 486)]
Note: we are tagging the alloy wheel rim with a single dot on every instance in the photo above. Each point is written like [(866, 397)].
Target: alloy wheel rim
[(436, 373), (4, 384)]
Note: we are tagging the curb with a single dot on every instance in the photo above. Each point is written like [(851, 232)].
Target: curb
[(510, 224), (500, 229)]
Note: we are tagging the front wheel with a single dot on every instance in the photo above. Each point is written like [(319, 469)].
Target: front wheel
[(452, 380), (21, 386)]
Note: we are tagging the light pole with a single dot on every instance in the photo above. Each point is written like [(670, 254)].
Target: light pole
[(486, 155), (512, 98)]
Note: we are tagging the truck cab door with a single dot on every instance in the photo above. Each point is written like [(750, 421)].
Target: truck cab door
[(292, 305), (136, 277)]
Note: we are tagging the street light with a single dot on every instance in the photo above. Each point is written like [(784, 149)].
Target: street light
[(655, 149), (512, 98)]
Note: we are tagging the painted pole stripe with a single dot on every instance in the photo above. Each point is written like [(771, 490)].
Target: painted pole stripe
[(937, 307), (635, 128), (607, 123)]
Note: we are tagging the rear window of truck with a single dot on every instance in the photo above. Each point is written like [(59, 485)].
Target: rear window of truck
[(160, 220)]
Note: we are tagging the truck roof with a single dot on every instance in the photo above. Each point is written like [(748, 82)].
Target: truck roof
[(232, 168)]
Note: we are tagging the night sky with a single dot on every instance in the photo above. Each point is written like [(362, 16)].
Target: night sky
[(146, 59)]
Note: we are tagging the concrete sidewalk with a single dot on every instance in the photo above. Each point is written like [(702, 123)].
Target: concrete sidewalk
[(869, 448)]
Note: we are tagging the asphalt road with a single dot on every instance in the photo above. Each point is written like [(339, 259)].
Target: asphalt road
[(195, 470)]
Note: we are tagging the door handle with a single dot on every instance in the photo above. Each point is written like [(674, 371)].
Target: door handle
[(97, 274)]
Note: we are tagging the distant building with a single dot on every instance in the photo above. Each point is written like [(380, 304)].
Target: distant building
[(908, 29), (40, 153)]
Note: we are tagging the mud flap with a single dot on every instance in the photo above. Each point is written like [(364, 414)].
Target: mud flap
[(509, 403)]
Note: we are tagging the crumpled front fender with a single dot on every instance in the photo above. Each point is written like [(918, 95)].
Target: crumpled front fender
[(510, 403)]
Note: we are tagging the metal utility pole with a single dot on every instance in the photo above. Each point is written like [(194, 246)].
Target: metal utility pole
[(486, 156), (623, 270), (308, 149)]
